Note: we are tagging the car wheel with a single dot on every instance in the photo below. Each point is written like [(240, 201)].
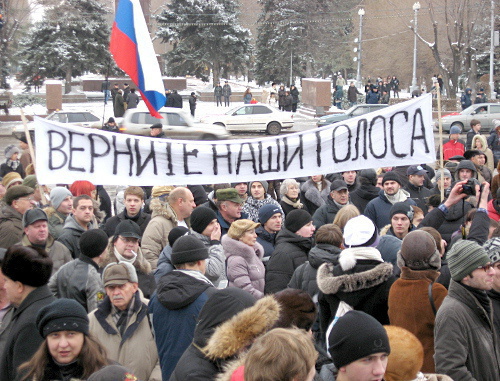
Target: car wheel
[(209, 137), (273, 128), (219, 124), (459, 125)]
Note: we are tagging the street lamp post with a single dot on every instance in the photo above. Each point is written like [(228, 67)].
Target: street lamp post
[(416, 8), (361, 13)]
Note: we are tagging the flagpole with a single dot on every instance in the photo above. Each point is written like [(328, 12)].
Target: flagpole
[(441, 153)]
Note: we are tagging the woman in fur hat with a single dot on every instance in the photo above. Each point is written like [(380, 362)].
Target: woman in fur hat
[(244, 254), (12, 164)]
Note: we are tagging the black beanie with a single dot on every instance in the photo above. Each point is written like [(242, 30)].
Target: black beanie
[(188, 249), (296, 219), (62, 315), (391, 176), (201, 218), (93, 243), (402, 208), (175, 233), (356, 335)]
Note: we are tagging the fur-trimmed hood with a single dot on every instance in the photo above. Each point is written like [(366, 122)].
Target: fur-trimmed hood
[(162, 209), (365, 274), (233, 247), (235, 335), (313, 194), (140, 263)]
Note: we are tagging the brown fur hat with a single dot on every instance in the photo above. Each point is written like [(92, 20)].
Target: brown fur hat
[(407, 355), (297, 309)]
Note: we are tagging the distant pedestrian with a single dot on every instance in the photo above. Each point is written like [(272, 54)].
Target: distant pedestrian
[(294, 92), (480, 97), (288, 101), (105, 89), (218, 94), (281, 98), (338, 96), (352, 94), (385, 98), (247, 96), (133, 99), (192, 103), (226, 93), (119, 104), (466, 98), (395, 86)]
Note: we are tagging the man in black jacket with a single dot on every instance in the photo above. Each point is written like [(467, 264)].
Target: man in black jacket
[(415, 186), (367, 189), (27, 271), (133, 200)]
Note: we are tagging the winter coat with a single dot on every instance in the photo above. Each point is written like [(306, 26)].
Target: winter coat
[(339, 93), (142, 267), (220, 337), (352, 94), (56, 251), (226, 91), (218, 91), (325, 214), (23, 339), (247, 98), (66, 372), (419, 195), (372, 97), (281, 97), (494, 209), (192, 102), (378, 209), (290, 252), (466, 345), (244, 266), (132, 100), (465, 99), (215, 263), (490, 161), (267, 240), (295, 95), (56, 221), (155, 237), (142, 219), (4, 169), (452, 148), (70, 235), (11, 227), (495, 300), (79, 280), (362, 195), (453, 219), (119, 106), (494, 144), (252, 206), (365, 287), (136, 348), (304, 276), (288, 205), (288, 103), (174, 309), (312, 197), (415, 313), (175, 100)]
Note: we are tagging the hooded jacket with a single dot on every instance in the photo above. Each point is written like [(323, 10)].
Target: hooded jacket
[(304, 277), (79, 280), (490, 161), (138, 334), (56, 251), (325, 214), (361, 283), (465, 342), (290, 252), (362, 195), (11, 226), (155, 237), (70, 235), (378, 210), (252, 206), (174, 310), (56, 221), (312, 197), (244, 266), (220, 336)]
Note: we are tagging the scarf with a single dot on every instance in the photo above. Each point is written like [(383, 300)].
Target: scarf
[(349, 257), (399, 196), (123, 259), (13, 163), (295, 204), (196, 274)]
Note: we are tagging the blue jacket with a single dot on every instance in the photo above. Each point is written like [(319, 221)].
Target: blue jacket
[(372, 97), (174, 310), (465, 99), (267, 240), (378, 210)]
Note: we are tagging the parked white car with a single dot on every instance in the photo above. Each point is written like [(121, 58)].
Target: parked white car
[(177, 124), (253, 118)]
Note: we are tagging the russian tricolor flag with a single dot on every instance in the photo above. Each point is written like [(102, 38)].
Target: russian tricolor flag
[(133, 51)]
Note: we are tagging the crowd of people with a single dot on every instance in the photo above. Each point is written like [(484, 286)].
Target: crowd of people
[(357, 275)]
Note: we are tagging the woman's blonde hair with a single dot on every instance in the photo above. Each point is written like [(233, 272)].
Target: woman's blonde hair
[(345, 214), (281, 354), (92, 357)]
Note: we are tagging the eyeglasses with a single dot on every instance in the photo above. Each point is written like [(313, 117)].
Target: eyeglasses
[(27, 198), (128, 240), (486, 267)]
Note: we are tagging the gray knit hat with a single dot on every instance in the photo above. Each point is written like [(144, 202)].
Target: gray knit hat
[(10, 150), (466, 164), (492, 247), (464, 257), (57, 196), (264, 183), (447, 173), (419, 252)]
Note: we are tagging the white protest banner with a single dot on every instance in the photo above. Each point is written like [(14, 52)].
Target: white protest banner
[(397, 135)]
